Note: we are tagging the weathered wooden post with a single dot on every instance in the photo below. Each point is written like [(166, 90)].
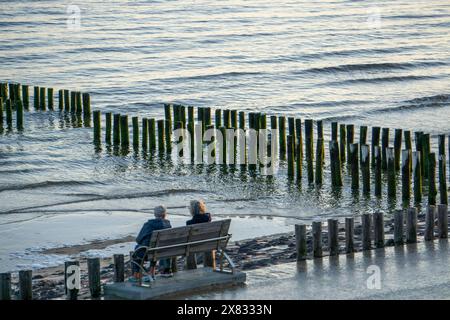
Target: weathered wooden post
[(25, 96), (50, 98), (429, 223), (5, 286), (406, 174), (398, 227), (365, 168), (36, 98), (426, 154), (320, 136), (42, 105), (116, 129), (443, 221), (319, 161), (160, 124), (299, 143), (333, 240), (73, 101), (365, 228), (1, 113), (375, 142), (151, 134), (378, 229), (135, 123), (290, 156), (354, 164), (242, 120), (309, 149), (390, 156), (97, 127), (363, 135), (144, 134), (168, 135), (350, 138), (119, 267), (342, 142), (397, 147), (94, 277), (408, 142), (108, 127), (317, 239), (417, 176), (86, 105), (349, 235), (67, 106), (282, 136), (61, 99), (25, 285), (443, 195), (334, 131), (124, 132), (432, 192), (384, 146), (79, 108), (335, 164), (19, 115), (8, 107), (234, 120), (301, 246), (411, 225), (71, 279), (218, 118)]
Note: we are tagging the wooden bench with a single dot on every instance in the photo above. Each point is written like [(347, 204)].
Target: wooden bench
[(184, 241)]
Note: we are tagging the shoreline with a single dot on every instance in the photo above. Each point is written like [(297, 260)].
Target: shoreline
[(248, 254)]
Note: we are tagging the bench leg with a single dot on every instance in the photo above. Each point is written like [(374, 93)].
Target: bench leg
[(191, 262), (209, 259)]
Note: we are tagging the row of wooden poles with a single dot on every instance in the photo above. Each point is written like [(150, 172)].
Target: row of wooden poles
[(417, 168), (372, 231), (372, 236), (15, 97)]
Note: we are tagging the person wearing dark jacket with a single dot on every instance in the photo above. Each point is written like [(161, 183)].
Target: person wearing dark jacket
[(143, 240), (199, 215)]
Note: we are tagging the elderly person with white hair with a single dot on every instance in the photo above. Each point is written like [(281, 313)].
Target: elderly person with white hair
[(143, 239)]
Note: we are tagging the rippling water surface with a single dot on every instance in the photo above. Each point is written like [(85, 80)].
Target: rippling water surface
[(375, 63)]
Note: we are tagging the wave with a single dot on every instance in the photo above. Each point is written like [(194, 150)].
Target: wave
[(45, 184), (213, 76), (380, 80)]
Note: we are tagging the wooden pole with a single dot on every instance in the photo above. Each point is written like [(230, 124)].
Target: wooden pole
[(124, 132), (290, 155), (94, 277), (354, 164), (333, 233), (366, 226), (317, 239), (79, 108), (335, 164), (61, 99), (5, 286), (443, 221), (242, 120), (19, 115), (406, 175), (25, 96), (397, 147), (223, 131), (319, 161), (8, 106), (378, 229), (218, 118), (365, 168), (36, 98), (108, 127), (67, 106), (408, 142), (191, 129), (86, 105), (191, 114), (25, 285), (443, 195), (398, 227), (161, 137), (116, 129), (299, 142), (301, 245), (42, 104), (234, 120), (432, 192), (135, 122), (144, 133), (309, 149), (151, 134), (342, 142), (429, 223), (384, 146), (334, 131), (119, 268), (226, 119), (390, 156), (349, 235), (50, 98), (73, 101), (71, 294), (168, 135), (97, 127), (417, 176), (375, 142), (411, 225), (350, 137), (282, 136), (320, 136), (363, 135)]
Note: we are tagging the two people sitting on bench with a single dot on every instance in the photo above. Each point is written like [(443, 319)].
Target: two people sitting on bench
[(143, 239)]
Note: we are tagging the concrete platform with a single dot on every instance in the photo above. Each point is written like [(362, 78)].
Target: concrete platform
[(182, 283)]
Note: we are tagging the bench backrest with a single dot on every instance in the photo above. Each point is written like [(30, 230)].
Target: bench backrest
[(180, 238)]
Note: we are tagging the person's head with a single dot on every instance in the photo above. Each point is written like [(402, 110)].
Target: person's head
[(160, 212), (197, 207)]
